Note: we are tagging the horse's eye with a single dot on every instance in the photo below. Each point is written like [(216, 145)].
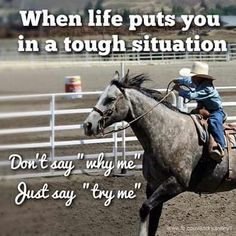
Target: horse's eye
[(109, 100)]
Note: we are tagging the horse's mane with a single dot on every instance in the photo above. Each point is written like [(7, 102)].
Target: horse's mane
[(136, 83)]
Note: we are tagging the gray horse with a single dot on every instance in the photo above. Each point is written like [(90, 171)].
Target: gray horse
[(173, 161)]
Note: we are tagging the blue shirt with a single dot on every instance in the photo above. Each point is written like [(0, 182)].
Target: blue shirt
[(205, 93)]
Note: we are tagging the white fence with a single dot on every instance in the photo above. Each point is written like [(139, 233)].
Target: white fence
[(53, 112), (52, 128), (13, 55)]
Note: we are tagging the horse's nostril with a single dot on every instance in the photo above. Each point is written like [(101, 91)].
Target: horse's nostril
[(87, 127)]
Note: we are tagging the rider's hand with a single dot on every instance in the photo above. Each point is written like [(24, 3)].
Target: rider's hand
[(176, 87), (176, 81)]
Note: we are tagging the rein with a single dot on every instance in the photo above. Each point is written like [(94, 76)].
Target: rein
[(134, 120), (183, 85)]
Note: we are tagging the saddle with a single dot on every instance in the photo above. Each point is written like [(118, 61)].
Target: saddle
[(206, 140)]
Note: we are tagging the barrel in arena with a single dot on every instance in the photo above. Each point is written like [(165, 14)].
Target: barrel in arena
[(73, 85)]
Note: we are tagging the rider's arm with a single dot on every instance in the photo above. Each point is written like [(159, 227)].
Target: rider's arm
[(185, 80), (195, 95)]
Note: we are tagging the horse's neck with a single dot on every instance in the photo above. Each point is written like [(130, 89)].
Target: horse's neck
[(156, 126)]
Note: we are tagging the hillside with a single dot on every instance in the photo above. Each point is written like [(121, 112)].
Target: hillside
[(147, 5)]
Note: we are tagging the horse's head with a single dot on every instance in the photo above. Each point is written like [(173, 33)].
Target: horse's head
[(112, 106)]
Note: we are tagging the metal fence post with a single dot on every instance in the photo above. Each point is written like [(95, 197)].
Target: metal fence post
[(52, 125), (123, 171), (228, 55), (186, 55), (115, 148)]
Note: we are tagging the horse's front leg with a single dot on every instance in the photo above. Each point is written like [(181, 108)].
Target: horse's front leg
[(155, 213), (167, 190), (150, 225)]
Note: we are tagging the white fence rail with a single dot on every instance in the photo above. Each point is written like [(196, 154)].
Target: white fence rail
[(13, 55)]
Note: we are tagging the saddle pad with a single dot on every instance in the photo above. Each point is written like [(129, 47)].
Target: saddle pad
[(203, 135)]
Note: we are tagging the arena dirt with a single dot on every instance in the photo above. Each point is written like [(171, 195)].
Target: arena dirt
[(187, 214)]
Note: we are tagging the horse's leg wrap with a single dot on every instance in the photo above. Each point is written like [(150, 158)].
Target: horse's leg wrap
[(167, 190)]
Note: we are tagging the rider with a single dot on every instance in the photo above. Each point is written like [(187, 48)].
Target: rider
[(208, 98)]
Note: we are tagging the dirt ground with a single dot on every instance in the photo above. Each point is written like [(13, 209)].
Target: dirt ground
[(187, 214)]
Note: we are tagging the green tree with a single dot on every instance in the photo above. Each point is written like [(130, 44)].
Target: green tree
[(177, 10), (61, 12), (99, 5), (229, 10), (87, 7), (163, 11), (125, 14), (193, 11), (218, 6), (204, 6), (215, 11)]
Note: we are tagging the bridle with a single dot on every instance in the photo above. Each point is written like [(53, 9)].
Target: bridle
[(106, 114)]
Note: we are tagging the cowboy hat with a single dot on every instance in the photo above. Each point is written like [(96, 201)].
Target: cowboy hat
[(199, 69)]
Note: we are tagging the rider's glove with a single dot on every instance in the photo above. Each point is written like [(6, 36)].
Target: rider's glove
[(176, 81), (176, 87)]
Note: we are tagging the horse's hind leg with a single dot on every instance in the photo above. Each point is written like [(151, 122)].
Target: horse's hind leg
[(167, 190)]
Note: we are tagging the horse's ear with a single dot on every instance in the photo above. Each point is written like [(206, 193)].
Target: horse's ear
[(117, 75), (127, 74), (126, 77)]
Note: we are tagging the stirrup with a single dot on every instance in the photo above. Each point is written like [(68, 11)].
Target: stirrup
[(217, 154)]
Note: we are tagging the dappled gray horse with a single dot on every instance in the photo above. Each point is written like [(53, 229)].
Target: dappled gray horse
[(173, 161)]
